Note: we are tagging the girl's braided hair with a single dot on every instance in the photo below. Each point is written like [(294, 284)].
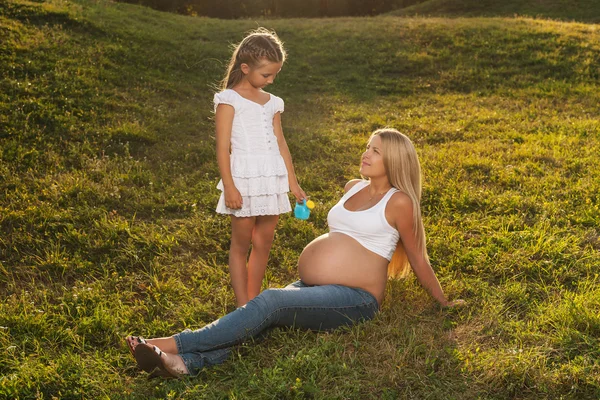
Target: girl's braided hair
[(260, 44)]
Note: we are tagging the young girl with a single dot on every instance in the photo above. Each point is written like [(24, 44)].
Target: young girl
[(258, 173)]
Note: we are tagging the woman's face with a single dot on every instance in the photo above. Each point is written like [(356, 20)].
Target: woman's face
[(372, 159)]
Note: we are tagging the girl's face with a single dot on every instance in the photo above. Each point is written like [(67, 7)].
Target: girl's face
[(262, 74), (372, 159)]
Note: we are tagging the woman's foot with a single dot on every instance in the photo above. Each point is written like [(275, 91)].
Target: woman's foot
[(132, 342), (158, 363)]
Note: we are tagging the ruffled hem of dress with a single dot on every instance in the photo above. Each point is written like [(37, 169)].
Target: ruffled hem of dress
[(253, 206), (260, 186), (252, 166)]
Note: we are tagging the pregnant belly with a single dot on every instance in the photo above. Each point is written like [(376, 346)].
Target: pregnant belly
[(335, 258)]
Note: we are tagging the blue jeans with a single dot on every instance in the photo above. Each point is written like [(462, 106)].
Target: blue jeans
[(297, 305)]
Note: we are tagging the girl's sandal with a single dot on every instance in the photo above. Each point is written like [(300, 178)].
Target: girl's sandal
[(150, 359), (130, 345)]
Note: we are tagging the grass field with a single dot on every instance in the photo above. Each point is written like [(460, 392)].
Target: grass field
[(566, 10), (108, 175)]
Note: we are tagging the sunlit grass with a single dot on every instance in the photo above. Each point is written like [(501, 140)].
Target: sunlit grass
[(581, 10), (108, 172)]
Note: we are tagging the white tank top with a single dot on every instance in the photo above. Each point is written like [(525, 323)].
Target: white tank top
[(368, 227)]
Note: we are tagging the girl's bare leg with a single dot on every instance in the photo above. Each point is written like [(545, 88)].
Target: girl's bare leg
[(241, 237), (262, 239)]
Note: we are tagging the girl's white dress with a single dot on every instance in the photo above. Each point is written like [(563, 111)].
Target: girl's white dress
[(257, 167)]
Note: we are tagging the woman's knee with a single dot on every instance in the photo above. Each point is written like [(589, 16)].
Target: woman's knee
[(268, 299)]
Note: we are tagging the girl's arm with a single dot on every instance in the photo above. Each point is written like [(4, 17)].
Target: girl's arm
[(224, 121), (403, 217), (287, 158)]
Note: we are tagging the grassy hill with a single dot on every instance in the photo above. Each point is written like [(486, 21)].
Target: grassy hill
[(108, 175), (580, 10)]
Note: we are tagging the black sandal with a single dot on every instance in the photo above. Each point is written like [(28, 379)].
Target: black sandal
[(150, 359), (131, 348)]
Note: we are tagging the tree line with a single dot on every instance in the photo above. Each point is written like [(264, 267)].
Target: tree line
[(230, 9)]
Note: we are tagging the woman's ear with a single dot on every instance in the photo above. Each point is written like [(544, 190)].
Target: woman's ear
[(245, 68)]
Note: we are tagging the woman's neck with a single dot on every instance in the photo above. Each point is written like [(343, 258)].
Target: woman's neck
[(379, 186)]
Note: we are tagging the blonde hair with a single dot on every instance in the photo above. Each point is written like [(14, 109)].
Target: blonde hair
[(404, 173), (257, 45)]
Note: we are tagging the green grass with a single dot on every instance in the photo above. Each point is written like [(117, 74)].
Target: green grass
[(108, 175), (578, 10)]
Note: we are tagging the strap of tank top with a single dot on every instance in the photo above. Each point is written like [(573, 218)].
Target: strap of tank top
[(356, 188), (388, 196)]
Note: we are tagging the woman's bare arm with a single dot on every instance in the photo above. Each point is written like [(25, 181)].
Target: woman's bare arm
[(403, 219)]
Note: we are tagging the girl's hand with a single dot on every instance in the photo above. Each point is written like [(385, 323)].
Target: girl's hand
[(233, 198), (298, 193)]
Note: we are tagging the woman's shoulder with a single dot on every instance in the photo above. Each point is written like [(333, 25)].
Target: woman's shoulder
[(353, 182), (399, 208), (401, 202)]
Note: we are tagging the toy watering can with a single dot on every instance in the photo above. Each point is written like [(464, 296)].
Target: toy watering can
[(302, 210)]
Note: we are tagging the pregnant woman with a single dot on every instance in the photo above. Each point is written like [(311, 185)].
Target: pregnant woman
[(376, 232)]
